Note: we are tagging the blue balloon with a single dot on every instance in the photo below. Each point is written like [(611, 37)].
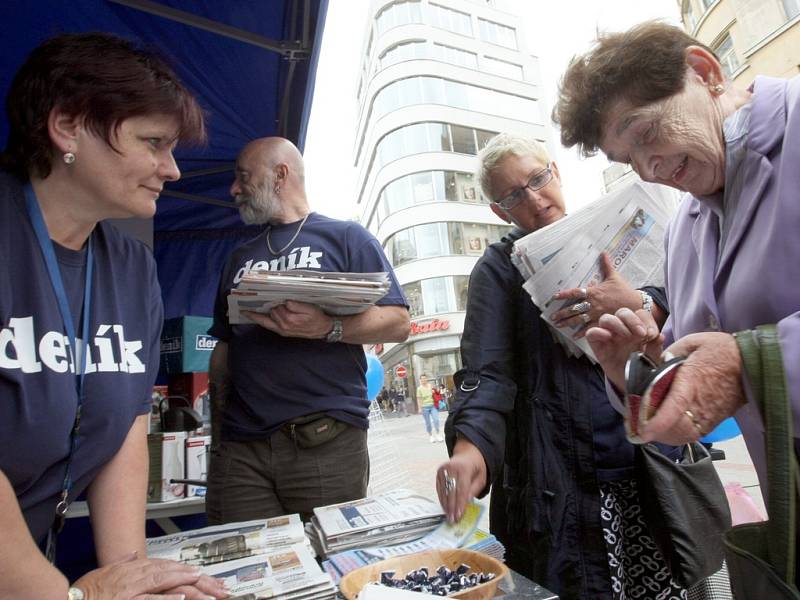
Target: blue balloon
[(374, 376), (724, 431)]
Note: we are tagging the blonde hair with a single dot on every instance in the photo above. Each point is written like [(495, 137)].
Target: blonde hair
[(501, 146)]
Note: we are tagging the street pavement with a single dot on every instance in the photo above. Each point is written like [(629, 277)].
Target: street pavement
[(402, 456)]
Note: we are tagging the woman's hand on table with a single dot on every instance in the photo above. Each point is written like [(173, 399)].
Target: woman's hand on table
[(460, 479), (592, 302), (149, 579)]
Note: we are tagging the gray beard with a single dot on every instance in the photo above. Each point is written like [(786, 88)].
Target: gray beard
[(258, 208)]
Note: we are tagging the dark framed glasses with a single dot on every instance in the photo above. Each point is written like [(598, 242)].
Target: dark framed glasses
[(537, 181)]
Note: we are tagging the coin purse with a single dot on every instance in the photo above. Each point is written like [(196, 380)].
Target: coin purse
[(646, 385)]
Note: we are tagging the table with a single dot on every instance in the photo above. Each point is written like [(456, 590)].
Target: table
[(518, 587), (160, 512), (524, 589)]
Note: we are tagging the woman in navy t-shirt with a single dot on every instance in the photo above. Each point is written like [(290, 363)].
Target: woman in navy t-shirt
[(93, 122)]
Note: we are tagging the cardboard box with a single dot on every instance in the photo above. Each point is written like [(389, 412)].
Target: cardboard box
[(167, 461), (193, 387), (197, 448), (185, 345)]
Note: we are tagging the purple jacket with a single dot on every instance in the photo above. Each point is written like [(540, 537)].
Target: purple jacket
[(757, 278)]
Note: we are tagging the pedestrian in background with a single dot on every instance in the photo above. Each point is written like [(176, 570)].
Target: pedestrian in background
[(428, 409)]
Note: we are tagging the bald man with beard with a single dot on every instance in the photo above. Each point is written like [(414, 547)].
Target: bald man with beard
[(288, 390)]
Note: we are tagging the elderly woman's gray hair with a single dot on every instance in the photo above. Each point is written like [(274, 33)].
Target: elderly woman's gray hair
[(501, 146), (643, 65)]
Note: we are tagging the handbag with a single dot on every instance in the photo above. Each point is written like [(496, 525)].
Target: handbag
[(761, 556), (685, 508), (683, 502)]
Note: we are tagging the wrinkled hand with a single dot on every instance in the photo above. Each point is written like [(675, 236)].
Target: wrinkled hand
[(204, 588), (708, 385), (611, 294), (617, 335), (294, 319), (148, 579), (469, 470)]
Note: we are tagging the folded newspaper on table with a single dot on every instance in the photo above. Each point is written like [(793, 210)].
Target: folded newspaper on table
[(219, 543), (628, 224), (335, 293), (463, 534), (266, 558), (287, 574), (390, 518)]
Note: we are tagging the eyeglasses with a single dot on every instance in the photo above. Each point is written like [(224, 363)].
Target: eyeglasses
[(536, 182)]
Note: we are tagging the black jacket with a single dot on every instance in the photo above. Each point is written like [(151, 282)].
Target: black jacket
[(545, 428)]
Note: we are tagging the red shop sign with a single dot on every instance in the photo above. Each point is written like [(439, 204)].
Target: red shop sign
[(435, 325)]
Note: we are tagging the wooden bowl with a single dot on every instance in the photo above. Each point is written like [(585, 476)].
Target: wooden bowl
[(351, 584)]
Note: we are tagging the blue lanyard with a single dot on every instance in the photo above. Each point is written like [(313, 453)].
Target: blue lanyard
[(78, 359)]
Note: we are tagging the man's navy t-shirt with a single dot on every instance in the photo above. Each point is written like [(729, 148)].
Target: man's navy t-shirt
[(37, 390), (274, 378)]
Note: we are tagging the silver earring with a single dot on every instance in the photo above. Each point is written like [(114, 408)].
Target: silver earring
[(718, 88), (69, 158), (277, 190)]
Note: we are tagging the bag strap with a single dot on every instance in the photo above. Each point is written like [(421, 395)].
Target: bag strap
[(763, 362)]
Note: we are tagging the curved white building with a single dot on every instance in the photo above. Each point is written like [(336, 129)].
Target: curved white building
[(438, 79)]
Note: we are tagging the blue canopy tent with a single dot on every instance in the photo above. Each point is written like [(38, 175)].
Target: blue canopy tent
[(251, 63)]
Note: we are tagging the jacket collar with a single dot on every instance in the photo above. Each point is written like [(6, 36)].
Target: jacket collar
[(766, 131), (768, 116)]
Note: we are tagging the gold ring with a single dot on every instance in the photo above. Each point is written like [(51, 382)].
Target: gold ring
[(694, 420), (586, 318)]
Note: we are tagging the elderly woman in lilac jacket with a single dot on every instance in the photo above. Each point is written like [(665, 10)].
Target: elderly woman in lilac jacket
[(733, 250)]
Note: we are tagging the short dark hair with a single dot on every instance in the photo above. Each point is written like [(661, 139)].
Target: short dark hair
[(643, 65), (100, 77)]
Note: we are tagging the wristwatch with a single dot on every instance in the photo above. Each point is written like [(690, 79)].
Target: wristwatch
[(336, 332), (74, 593), (647, 301)]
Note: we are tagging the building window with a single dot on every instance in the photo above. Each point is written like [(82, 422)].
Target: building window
[(463, 140), (436, 295), (428, 186), (400, 52), (483, 137), (498, 34), (399, 13), (440, 367), (727, 56), (449, 19), (434, 90), (791, 8), (502, 67), (419, 49), (426, 137), (688, 15), (454, 56), (441, 239)]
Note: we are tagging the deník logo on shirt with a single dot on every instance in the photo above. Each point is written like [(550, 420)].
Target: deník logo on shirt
[(108, 350)]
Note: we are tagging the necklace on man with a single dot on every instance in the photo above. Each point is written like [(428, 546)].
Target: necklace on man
[(291, 241)]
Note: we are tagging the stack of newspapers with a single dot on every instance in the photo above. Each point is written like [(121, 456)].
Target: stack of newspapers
[(335, 293), (266, 558), (462, 534), (391, 518), (628, 224)]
